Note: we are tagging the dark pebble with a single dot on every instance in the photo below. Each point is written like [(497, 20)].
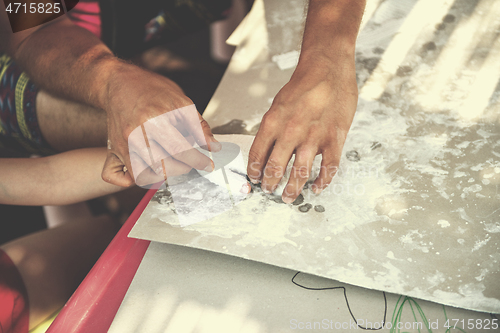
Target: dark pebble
[(352, 156), (404, 71), (255, 187), (430, 46), (162, 196), (385, 96), (449, 18), (440, 26), (277, 199), (319, 208), (376, 145), (305, 208), (370, 63), (299, 200)]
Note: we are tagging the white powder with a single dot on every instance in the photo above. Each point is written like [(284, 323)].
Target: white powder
[(444, 223)]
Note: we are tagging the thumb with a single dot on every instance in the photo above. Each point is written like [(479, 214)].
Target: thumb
[(213, 144), (115, 172)]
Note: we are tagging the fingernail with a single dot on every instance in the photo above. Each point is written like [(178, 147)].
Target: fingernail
[(254, 180), (209, 168), (317, 189), (287, 200), (215, 145), (246, 188)]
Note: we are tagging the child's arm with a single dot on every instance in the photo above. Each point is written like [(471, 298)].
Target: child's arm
[(61, 179)]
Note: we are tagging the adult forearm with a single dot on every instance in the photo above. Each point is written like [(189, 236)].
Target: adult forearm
[(331, 29), (66, 60)]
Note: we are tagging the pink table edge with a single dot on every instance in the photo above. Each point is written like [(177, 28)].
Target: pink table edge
[(94, 304)]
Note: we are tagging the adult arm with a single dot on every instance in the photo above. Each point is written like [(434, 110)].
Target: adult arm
[(313, 112), (60, 179), (69, 61)]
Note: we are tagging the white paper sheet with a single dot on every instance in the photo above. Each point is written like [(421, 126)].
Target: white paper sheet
[(184, 290)]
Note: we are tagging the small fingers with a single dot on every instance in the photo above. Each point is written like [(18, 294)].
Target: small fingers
[(146, 176), (163, 164), (174, 143), (158, 154), (159, 171), (170, 167)]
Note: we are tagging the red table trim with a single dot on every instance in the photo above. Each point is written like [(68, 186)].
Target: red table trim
[(94, 304)]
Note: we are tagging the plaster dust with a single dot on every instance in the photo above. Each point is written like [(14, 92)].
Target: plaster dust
[(255, 212)]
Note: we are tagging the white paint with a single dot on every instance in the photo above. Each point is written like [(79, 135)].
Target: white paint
[(480, 243), (492, 227), (444, 223)]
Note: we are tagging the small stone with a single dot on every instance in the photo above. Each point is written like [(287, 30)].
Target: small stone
[(376, 145), (319, 208), (430, 46), (162, 196), (404, 71), (255, 187), (385, 97), (370, 63), (163, 200), (449, 18), (353, 156), (277, 199), (299, 200), (440, 26), (305, 208)]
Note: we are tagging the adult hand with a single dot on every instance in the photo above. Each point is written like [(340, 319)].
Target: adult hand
[(310, 115), (70, 62), (152, 127)]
